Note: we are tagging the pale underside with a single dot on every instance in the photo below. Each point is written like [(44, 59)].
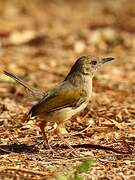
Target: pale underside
[(64, 114)]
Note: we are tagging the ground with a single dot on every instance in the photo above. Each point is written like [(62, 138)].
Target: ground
[(40, 41)]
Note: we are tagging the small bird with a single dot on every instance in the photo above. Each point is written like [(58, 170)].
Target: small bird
[(68, 98)]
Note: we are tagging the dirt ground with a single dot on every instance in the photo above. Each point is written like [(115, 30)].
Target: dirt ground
[(39, 42)]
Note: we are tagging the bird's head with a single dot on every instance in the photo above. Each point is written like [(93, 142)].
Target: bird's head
[(88, 65)]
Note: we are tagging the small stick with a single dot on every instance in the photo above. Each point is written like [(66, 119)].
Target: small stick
[(33, 172)]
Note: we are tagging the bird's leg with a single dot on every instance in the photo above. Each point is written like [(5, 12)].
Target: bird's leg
[(42, 125), (60, 130)]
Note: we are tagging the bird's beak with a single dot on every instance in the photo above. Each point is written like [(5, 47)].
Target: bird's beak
[(104, 60)]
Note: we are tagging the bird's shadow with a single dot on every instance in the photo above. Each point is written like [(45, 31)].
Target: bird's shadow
[(24, 148), (17, 148)]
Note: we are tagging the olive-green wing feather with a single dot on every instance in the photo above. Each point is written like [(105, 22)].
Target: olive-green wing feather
[(64, 95)]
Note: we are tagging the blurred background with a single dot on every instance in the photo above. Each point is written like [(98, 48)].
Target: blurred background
[(39, 37), (39, 42)]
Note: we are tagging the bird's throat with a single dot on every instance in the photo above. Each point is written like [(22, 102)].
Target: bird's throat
[(87, 85)]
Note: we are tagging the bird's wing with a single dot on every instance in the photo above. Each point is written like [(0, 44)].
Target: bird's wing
[(64, 95)]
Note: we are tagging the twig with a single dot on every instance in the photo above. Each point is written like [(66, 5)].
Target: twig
[(84, 117), (23, 170), (97, 146), (96, 129), (4, 151), (74, 134)]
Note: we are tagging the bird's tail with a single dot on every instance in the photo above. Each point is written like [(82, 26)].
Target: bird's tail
[(37, 94)]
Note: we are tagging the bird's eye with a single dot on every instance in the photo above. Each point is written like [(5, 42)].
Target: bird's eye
[(93, 62)]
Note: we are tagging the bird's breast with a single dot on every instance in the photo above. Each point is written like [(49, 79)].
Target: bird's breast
[(67, 113)]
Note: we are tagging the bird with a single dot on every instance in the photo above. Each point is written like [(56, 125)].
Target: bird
[(67, 99)]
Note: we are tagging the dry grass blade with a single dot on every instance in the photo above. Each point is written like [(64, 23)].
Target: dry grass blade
[(27, 171)]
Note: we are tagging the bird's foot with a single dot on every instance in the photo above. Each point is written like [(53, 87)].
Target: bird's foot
[(73, 151)]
